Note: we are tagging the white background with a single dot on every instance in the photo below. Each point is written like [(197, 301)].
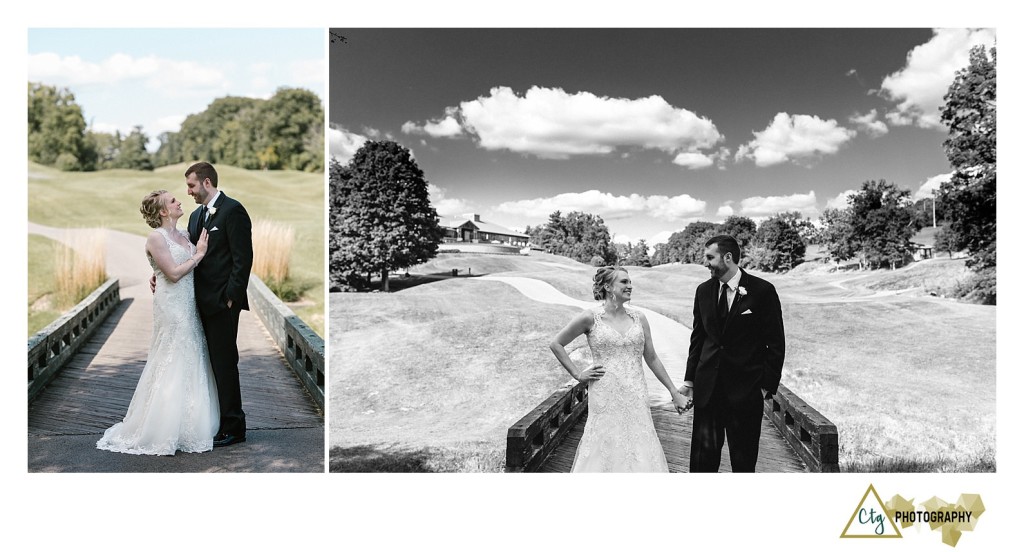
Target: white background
[(489, 511)]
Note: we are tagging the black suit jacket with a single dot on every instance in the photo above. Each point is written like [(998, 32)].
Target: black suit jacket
[(223, 273), (744, 354)]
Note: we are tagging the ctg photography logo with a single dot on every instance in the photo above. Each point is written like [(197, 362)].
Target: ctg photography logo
[(873, 519)]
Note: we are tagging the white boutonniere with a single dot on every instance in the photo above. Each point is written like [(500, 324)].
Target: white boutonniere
[(742, 291), (212, 210)]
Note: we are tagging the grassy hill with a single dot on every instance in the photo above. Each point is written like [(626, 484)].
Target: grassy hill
[(429, 378), (111, 199)]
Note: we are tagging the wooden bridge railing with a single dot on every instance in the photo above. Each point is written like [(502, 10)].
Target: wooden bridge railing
[(301, 346), (534, 436), (50, 349), (813, 437), (530, 440)]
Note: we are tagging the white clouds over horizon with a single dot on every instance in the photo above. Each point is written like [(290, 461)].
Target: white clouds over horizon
[(608, 206), (445, 206), (551, 123), (757, 206), (840, 201), (918, 87), (344, 143), (870, 124), (156, 73), (794, 138), (933, 183)]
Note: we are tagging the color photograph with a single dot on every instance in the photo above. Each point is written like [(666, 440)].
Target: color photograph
[(176, 250), (806, 218)]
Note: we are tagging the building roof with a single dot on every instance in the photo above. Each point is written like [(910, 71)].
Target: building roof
[(483, 226)]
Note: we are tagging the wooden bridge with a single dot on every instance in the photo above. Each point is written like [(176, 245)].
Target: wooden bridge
[(83, 369), (794, 436)]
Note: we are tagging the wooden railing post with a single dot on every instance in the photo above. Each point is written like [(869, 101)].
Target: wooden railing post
[(302, 347), (536, 435), (813, 437), (50, 349)]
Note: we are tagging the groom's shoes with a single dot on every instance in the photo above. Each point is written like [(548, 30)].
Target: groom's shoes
[(225, 440)]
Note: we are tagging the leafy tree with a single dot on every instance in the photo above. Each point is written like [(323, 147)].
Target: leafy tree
[(882, 220), (945, 242), (133, 153), (56, 129), (579, 236), (382, 219), (742, 228), (778, 245), (970, 195), (836, 234), (292, 123), (633, 255)]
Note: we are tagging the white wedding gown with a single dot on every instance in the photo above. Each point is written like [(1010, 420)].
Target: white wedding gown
[(175, 403), (619, 434)]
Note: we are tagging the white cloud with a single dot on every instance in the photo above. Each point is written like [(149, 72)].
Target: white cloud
[(447, 127), (445, 206), (766, 206), (870, 124), (170, 123), (344, 144), (608, 206), (840, 201), (308, 72), (918, 87), (930, 184), (661, 237), (725, 211), (792, 138), (621, 238), (551, 123), (171, 76), (693, 160)]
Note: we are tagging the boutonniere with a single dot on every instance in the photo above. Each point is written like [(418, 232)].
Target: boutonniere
[(212, 210), (742, 291)]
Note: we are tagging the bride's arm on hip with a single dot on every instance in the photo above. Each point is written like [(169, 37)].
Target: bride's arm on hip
[(157, 248), (656, 366), (579, 325)]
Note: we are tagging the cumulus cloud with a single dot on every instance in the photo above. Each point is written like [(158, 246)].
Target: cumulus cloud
[(552, 123), (157, 73), (608, 206), (661, 237), (918, 87), (840, 201), (169, 123), (766, 206), (446, 206), (693, 160), (448, 127), (931, 184), (343, 143), (725, 211), (794, 138), (870, 124)]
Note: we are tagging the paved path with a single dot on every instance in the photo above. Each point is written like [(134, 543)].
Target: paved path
[(285, 429)]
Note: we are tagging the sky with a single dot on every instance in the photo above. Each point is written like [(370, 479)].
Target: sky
[(650, 128), (157, 77)]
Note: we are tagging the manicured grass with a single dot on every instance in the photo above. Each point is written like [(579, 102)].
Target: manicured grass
[(908, 379), (111, 199), (42, 285)]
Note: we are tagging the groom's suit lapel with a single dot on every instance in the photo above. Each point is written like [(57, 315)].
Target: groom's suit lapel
[(193, 226), (736, 301), (216, 205)]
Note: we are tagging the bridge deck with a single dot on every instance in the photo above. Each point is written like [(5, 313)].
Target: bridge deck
[(775, 454), (285, 429)]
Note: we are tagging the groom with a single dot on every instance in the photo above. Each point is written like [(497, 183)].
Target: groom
[(737, 347), (221, 280)]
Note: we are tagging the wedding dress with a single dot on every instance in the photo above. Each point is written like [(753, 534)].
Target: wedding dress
[(175, 402), (619, 434)]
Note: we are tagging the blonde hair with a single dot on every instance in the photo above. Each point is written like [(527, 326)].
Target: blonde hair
[(151, 207), (604, 276)]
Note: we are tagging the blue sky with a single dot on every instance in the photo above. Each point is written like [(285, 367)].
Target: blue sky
[(650, 128), (156, 77)]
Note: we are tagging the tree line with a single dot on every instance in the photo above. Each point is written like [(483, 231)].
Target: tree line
[(285, 131)]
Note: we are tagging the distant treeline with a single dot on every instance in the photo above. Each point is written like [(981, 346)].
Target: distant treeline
[(283, 132)]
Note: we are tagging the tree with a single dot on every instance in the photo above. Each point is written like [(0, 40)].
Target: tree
[(836, 234), (970, 195), (291, 123), (133, 153), (778, 245), (56, 129), (577, 235), (633, 255), (882, 221), (742, 228), (382, 219)]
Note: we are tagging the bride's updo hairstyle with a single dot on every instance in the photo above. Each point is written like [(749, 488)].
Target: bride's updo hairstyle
[(604, 276), (152, 204)]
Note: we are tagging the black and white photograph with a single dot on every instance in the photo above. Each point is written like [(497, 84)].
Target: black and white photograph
[(805, 217)]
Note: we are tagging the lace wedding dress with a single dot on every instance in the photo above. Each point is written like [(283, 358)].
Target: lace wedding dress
[(175, 403), (619, 435)]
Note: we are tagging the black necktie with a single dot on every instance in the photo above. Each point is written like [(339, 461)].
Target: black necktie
[(723, 303), (202, 216)]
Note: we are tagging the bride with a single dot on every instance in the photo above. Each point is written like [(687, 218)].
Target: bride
[(619, 434), (175, 403)]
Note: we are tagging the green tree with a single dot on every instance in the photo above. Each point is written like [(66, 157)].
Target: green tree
[(742, 228), (970, 195), (382, 219), (778, 244), (577, 235), (883, 220), (292, 123), (836, 234), (133, 153), (56, 129)]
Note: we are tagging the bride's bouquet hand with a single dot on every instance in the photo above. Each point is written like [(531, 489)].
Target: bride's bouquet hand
[(593, 373)]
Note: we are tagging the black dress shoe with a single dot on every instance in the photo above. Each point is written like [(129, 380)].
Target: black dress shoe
[(228, 440)]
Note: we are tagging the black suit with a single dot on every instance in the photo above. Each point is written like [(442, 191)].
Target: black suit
[(729, 363), (223, 275)]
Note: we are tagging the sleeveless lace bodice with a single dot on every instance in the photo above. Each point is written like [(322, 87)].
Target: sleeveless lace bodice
[(619, 435), (175, 403)]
